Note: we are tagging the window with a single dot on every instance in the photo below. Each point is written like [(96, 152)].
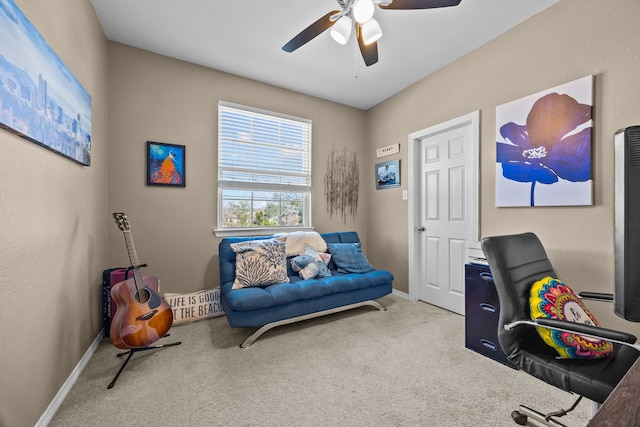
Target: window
[(264, 170)]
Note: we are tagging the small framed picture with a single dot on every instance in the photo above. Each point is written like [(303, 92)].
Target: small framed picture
[(165, 164), (388, 174)]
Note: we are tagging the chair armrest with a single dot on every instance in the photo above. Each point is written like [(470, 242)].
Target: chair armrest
[(596, 296), (592, 331), (581, 329)]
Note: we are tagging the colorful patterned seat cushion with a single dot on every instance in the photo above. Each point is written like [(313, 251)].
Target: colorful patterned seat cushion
[(552, 299)]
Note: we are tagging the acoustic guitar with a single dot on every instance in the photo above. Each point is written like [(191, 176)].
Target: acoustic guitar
[(142, 316)]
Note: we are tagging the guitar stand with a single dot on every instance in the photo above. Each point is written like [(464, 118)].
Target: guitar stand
[(135, 350)]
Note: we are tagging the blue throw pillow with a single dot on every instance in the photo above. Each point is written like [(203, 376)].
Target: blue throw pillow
[(348, 258)]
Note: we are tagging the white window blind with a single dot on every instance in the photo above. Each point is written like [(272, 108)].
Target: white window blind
[(261, 150), (264, 168)]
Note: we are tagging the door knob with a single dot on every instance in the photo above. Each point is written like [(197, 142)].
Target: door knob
[(421, 228)]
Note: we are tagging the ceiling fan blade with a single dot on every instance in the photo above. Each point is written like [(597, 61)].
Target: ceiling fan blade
[(311, 32), (369, 51), (420, 4)]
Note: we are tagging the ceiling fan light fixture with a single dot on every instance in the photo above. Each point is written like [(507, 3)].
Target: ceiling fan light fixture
[(383, 2), (341, 30), (371, 31), (363, 10)]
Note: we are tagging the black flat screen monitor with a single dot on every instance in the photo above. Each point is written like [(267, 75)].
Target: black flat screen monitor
[(627, 223)]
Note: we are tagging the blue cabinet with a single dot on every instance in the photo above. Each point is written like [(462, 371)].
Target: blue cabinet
[(482, 309)]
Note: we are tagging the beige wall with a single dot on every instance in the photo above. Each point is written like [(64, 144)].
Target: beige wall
[(570, 40), (53, 231), (56, 236), (155, 98)]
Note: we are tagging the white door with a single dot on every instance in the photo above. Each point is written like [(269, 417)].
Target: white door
[(445, 214)]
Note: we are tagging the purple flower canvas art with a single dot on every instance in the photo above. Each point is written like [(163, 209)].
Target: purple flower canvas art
[(543, 150)]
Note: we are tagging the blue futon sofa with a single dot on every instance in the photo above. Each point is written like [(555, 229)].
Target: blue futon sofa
[(283, 303)]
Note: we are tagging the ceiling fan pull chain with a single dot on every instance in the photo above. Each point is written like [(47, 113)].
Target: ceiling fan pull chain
[(355, 58)]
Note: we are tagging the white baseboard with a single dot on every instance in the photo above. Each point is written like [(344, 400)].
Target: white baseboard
[(401, 294), (46, 417)]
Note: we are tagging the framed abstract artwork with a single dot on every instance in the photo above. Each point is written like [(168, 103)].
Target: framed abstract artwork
[(40, 99), (388, 174), (166, 164), (543, 147)]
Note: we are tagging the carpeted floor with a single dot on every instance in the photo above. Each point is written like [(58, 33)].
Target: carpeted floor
[(406, 366)]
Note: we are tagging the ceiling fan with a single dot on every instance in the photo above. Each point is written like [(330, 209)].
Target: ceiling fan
[(359, 14)]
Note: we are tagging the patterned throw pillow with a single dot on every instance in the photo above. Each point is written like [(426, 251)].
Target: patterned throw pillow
[(552, 299), (305, 266), (260, 263), (321, 258)]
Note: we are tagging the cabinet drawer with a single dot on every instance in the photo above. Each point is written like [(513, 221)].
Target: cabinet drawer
[(480, 292), (481, 336)]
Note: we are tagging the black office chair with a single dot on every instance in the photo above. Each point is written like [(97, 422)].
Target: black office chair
[(516, 262)]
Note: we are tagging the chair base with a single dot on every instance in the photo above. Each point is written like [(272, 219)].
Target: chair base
[(524, 413)]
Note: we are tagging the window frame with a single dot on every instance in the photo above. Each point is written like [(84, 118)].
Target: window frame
[(223, 231)]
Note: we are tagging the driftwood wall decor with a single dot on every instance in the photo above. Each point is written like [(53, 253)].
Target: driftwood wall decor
[(341, 183)]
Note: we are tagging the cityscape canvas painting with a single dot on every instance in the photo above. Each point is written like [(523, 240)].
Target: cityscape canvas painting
[(40, 99), (543, 150)]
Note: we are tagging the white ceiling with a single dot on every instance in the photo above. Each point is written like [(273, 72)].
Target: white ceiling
[(245, 38)]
